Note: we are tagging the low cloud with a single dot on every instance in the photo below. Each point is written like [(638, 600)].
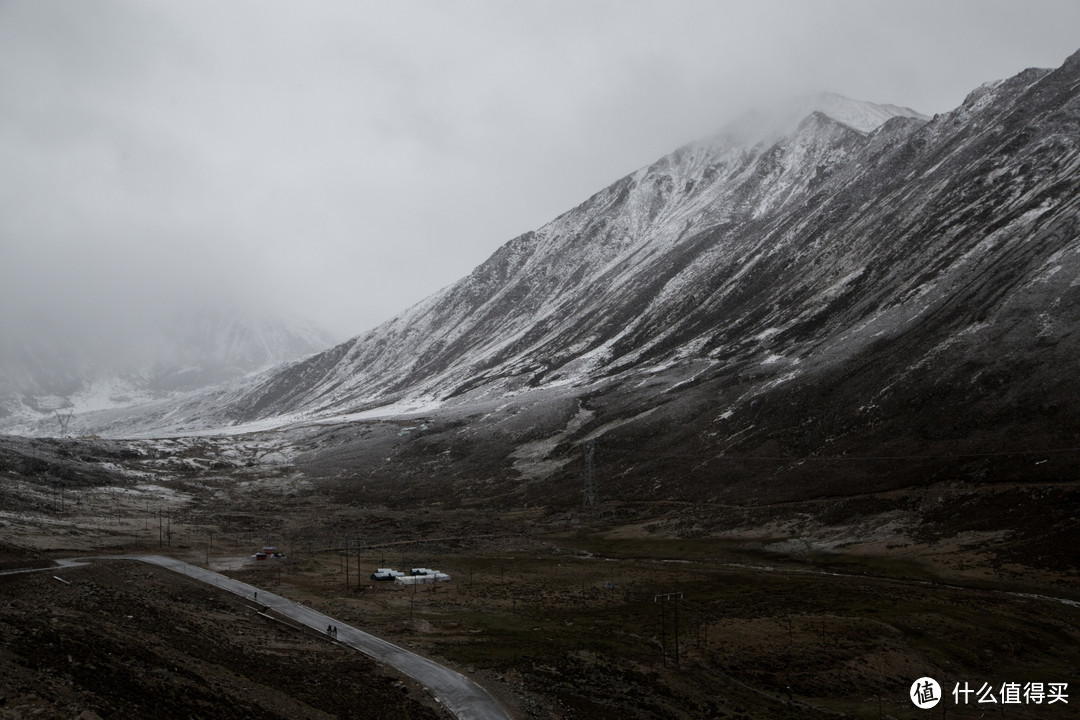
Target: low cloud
[(343, 160)]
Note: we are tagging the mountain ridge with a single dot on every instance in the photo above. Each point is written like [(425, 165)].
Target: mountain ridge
[(604, 243), (734, 273)]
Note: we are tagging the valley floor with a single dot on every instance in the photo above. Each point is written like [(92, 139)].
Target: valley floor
[(810, 609), (575, 617)]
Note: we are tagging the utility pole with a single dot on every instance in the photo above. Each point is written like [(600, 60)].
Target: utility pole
[(662, 598), (346, 562), (663, 631), (677, 597), (590, 475)]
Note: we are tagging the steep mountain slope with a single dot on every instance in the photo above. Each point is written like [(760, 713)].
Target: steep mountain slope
[(822, 311), (549, 305)]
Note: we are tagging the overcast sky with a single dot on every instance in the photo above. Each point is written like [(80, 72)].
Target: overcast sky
[(343, 160)]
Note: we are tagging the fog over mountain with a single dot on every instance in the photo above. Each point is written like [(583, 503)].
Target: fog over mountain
[(43, 375), (341, 162)]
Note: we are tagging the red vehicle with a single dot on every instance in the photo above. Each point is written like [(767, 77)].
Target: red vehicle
[(268, 552)]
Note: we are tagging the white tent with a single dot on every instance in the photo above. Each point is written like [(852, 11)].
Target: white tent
[(432, 577)]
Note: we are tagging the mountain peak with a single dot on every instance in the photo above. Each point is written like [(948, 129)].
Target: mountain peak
[(858, 114), (1072, 63), (769, 124)]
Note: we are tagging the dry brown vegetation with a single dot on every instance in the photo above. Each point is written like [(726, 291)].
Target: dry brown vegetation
[(556, 614)]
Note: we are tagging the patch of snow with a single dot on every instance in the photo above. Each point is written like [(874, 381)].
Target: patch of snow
[(838, 287)]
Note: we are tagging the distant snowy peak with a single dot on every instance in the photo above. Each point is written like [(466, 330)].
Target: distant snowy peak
[(249, 341), (769, 125), (863, 116), (196, 348), (210, 345)]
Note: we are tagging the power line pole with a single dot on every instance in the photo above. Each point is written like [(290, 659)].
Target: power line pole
[(663, 598), (64, 420), (663, 631), (590, 475), (677, 597)]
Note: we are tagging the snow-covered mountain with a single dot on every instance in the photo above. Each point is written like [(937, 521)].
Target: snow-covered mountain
[(198, 348), (551, 305), (908, 290)]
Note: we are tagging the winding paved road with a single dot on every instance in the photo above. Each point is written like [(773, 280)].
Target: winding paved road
[(463, 697)]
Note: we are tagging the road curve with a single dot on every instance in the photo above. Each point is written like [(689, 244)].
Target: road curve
[(464, 698)]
